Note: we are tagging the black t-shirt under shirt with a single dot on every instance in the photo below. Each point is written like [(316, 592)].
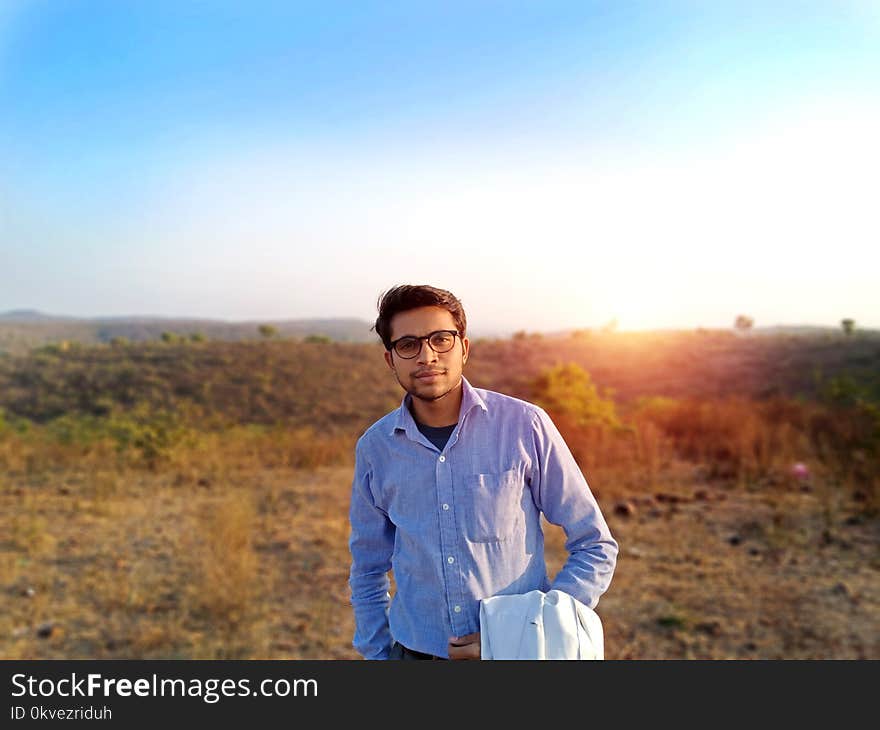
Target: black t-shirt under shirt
[(437, 435)]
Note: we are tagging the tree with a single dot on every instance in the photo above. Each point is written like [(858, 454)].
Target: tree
[(568, 391), (267, 331), (848, 325), (743, 322)]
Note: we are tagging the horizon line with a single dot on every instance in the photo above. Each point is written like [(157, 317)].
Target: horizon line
[(610, 326)]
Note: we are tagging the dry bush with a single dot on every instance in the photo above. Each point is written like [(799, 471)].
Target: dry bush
[(220, 547), (740, 438)]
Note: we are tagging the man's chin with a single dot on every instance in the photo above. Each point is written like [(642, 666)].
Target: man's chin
[(433, 390), (429, 393)]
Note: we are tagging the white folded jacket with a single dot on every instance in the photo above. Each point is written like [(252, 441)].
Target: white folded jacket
[(538, 625)]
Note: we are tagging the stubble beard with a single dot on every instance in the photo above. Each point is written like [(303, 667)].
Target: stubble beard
[(431, 398)]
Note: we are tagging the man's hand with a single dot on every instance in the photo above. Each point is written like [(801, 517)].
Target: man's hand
[(464, 647)]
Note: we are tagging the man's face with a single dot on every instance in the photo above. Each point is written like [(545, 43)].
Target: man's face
[(446, 365)]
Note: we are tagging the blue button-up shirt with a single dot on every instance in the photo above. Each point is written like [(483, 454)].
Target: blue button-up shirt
[(464, 524)]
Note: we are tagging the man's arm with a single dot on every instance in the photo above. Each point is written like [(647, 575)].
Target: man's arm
[(561, 492), (371, 544)]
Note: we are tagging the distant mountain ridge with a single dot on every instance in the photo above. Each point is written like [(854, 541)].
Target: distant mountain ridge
[(23, 329), (32, 315)]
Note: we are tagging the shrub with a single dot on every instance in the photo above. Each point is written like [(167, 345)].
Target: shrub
[(568, 391)]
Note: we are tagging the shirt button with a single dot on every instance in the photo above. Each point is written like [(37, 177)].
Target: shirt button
[(457, 609), (445, 506), (442, 458), (450, 560)]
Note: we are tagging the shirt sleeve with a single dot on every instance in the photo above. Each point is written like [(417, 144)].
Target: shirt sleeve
[(371, 544), (561, 492)]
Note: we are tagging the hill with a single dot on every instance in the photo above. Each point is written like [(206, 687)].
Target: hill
[(21, 330), (347, 385), (21, 316)]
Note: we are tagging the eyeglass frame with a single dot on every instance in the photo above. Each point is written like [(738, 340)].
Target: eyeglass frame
[(392, 346)]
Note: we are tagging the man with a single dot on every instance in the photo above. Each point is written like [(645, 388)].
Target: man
[(448, 490)]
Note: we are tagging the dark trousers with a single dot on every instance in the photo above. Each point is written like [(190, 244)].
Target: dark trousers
[(399, 651)]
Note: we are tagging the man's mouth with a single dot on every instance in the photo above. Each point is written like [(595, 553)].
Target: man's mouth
[(428, 375)]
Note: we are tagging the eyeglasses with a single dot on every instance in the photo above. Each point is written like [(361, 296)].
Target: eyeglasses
[(409, 346)]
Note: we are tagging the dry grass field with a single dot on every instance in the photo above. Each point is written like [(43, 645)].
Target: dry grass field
[(231, 542), (255, 565)]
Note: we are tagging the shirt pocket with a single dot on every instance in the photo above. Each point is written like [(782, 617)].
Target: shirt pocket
[(494, 506)]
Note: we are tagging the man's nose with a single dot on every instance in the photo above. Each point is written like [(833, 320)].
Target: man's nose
[(427, 354)]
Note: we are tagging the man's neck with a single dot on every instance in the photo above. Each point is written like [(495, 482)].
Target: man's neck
[(437, 413)]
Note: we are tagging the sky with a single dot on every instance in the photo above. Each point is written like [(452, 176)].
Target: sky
[(554, 164)]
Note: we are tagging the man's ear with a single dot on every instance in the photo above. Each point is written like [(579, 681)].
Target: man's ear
[(389, 360)]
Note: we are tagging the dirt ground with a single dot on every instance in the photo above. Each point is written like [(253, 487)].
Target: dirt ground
[(254, 565), (772, 572)]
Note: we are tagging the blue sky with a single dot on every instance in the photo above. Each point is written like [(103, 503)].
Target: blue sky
[(555, 164)]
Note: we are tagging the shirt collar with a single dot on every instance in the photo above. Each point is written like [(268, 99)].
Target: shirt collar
[(470, 398)]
